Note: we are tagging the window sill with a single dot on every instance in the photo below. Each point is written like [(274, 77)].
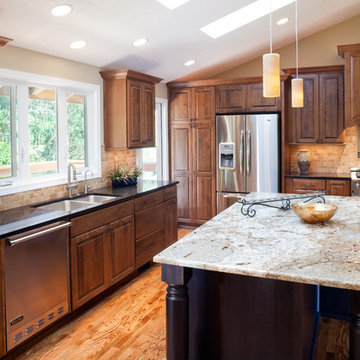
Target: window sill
[(35, 184)]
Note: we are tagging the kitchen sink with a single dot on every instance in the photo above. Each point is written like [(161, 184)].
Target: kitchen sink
[(67, 205), (83, 202), (96, 198)]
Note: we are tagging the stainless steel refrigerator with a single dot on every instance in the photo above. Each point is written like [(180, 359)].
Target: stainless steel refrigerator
[(247, 156)]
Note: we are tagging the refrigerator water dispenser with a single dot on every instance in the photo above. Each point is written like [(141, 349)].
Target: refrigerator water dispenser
[(227, 156)]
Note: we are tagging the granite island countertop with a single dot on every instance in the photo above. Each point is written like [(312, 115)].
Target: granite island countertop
[(276, 244)]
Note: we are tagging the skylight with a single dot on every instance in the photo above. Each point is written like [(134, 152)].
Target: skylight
[(172, 4), (243, 16)]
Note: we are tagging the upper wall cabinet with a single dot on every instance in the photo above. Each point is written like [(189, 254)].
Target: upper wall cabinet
[(240, 98), (129, 109), (351, 54), (321, 120)]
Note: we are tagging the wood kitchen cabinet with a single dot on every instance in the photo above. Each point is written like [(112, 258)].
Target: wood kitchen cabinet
[(351, 54), (247, 97), (305, 185), (170, 212), (102, 250), (121, 249), (192, 135), (149, 229), (321, 120), (129, 109)]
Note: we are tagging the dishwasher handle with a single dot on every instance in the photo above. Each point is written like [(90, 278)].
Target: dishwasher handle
[(15, 240)]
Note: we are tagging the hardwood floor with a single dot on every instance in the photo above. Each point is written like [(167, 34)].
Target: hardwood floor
[(332, 342), (130, 325), (127, 325)]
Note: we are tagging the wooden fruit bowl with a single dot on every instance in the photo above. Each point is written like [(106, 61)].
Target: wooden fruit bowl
[(314, 213)]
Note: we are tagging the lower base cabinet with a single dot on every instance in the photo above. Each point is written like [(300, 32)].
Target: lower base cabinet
[(101, 258), (170, 211), (109, 244), (302, 186)]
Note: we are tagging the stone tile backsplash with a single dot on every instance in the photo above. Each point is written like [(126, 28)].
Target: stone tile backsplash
[(330, 158), (108, 159)]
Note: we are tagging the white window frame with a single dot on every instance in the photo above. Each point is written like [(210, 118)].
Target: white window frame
[(24, 181), (162, 144)]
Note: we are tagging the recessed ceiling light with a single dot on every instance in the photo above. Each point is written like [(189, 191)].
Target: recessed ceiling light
[(189, 62), (172, 4), (61, 10), (78, 44), (140, 42), (282, 21), (243, 16)]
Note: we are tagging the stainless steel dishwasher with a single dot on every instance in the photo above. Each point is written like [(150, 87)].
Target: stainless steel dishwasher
[(36, 280)]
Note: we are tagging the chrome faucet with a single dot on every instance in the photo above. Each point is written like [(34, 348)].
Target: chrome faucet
[(87, 186), (70, 187)]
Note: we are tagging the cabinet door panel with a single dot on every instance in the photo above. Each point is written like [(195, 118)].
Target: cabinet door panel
[(149, 220), (308, 185), (170, 210), (257, 102), (122, 248), (204, 197), (184, 195), (307, 118), (148, 116), (148, 246), (230, 98), (338, 187), (180, 105), (180, 143), (204, 104), (352, 88), (331, 107), (134, 113), (88, 277), (204, 148)]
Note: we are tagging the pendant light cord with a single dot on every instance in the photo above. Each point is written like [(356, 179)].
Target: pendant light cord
[(270, 29), (297, 40)]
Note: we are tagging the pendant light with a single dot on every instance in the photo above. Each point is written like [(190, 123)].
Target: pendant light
[(297, 86), (271, 70)]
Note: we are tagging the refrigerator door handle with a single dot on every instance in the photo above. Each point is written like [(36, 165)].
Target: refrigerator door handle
[(248, 152), (241, 151)]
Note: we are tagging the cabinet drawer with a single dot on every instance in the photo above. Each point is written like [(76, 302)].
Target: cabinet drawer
[(170, 193), (149, 220), (307, 185), (148, 246), (84, 223), (146, 201)]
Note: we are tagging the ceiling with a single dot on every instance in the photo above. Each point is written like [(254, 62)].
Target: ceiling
[(110, 27)]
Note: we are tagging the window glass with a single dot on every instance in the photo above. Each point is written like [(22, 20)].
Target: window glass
[(5, 132), (43, 131), (149, 163), (151, 157), (76, 129)]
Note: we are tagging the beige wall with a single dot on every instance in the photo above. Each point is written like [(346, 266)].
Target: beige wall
[(316, 50), (19, 59)]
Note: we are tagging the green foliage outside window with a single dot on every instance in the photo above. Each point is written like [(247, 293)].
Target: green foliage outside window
[(42, 128)]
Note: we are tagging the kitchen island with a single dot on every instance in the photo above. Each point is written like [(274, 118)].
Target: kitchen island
[(249, 284)]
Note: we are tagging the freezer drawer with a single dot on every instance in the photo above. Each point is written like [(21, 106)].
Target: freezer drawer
[(224, 200)]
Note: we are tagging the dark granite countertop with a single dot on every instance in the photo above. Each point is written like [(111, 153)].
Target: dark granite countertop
[(321, 175), (23, 218)]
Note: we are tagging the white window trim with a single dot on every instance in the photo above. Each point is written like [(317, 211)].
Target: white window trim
[(164, 138), (92, 92)]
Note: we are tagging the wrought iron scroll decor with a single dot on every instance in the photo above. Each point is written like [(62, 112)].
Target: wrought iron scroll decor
[(282, 203)]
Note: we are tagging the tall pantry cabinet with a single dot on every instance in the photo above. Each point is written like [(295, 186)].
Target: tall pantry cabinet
[(192, 138)]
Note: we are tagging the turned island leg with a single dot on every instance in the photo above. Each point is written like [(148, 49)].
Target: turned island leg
[(355, 325), (177, 311)]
